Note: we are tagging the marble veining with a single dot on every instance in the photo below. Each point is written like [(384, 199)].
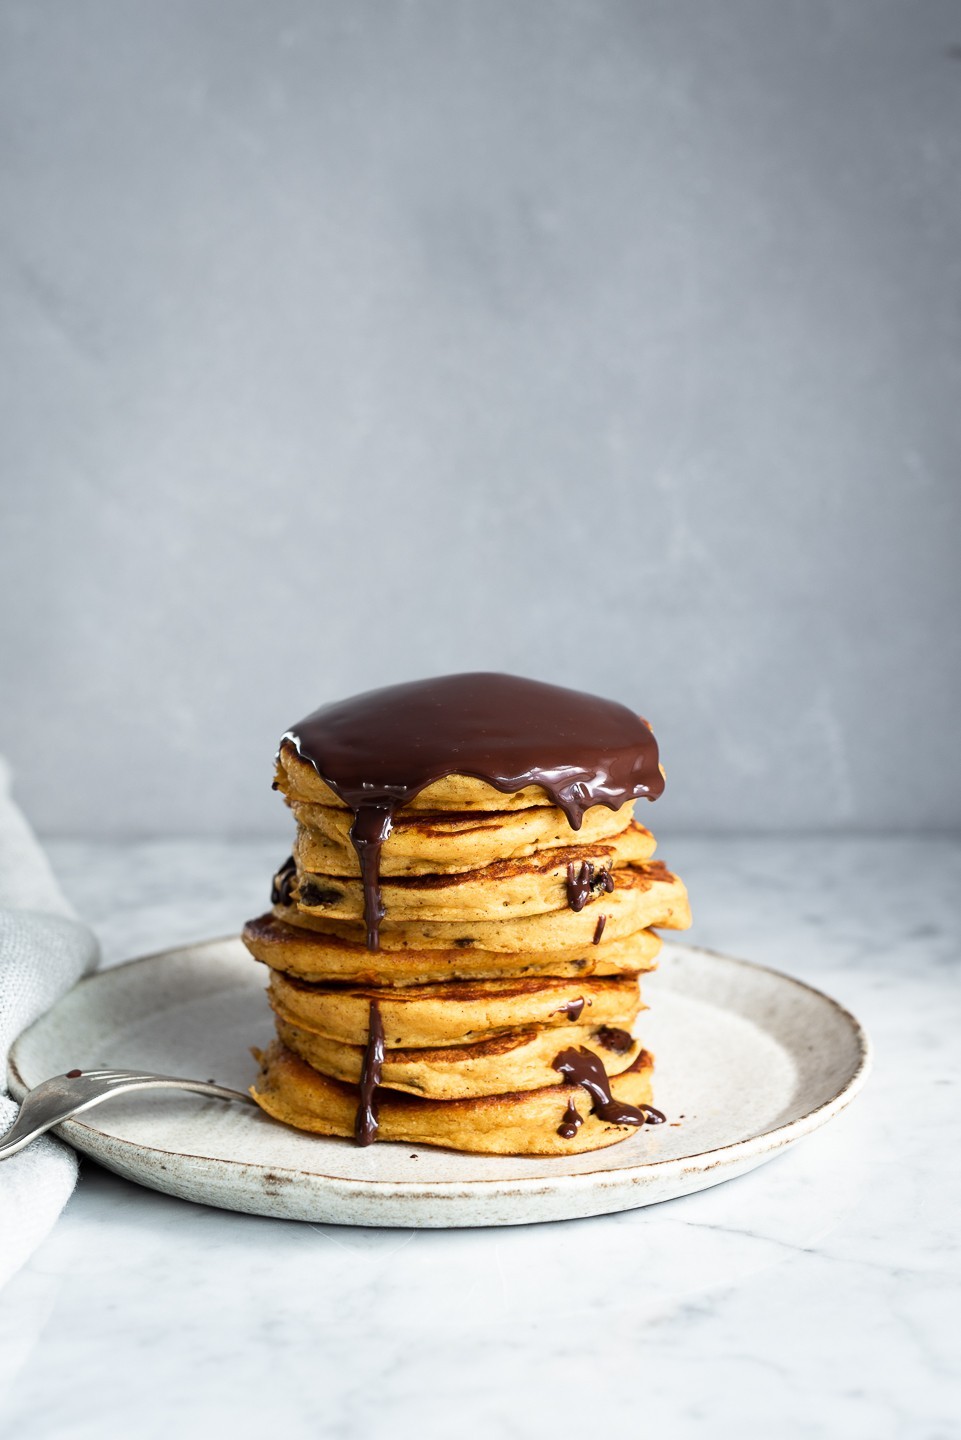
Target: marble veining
[(816, 1296)]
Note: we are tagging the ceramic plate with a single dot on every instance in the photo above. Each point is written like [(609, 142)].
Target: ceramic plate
[(748, 1062)]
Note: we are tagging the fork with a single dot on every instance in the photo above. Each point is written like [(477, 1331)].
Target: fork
[(55, 1100)]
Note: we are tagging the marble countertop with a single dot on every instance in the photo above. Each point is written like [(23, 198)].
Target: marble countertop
[(817, 1296)]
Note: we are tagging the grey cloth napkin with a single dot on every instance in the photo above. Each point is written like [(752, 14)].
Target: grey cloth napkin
[(43, 952)]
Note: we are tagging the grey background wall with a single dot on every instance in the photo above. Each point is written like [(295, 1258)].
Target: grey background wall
[(615, 343)]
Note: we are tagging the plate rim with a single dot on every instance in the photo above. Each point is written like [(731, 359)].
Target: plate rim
[(778, 1137)]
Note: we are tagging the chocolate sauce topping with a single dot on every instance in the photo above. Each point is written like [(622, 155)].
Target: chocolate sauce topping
[(282, 885), (365, 1127), (584, 884), (582, 1067), (572, 1008), (571, 1122), (377, 751), (599, 929)]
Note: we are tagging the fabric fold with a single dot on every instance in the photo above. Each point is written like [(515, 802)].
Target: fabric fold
[(44, 951)]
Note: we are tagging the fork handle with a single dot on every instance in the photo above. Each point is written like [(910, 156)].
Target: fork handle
[(40, 1112)]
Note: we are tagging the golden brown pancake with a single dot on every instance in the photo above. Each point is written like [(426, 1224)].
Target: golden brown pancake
[(299, 781), (644, 896), (455, 1013), (315, 955), (523, 1123), (508, 889), (489, 944), (432, 844), (514, 1060)]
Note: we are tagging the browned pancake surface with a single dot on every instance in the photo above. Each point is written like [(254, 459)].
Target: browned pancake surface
[(325, 957), (519, 1123), (453, 1013)]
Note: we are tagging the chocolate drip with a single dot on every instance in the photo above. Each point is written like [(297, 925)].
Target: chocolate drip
[(652, 1116), (379, 750), (599, 929), (73, 1075), (572, 1008), (571, 1122), (282, 886), (365, 1127), (584, 885), (582, 1067), (612, 1038), (370, 829)]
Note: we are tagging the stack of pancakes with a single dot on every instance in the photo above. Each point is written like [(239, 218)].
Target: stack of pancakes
[(508, 942)]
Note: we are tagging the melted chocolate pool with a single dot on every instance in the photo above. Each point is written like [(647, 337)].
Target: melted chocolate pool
[(582, 1067)]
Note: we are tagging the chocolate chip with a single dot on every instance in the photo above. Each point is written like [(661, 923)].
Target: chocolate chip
[(318, 895), (281, 891), (620, 1041)]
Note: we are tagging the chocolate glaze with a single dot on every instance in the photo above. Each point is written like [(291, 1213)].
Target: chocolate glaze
[(571, 1122), (582, 1067), (377, 751), (612, 1038), (282, 885), (584, 884), (572, 1008), (599, 929), (365, 1127)]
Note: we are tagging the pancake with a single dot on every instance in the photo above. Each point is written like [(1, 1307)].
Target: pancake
[(430, 844), (507, 889), (451, 961), (299, 780), (455, 1013), (521, 1123), (315, 955), (514, 1060), (644, 896)]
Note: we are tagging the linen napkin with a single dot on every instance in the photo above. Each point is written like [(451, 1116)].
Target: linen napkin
[(43, 952)]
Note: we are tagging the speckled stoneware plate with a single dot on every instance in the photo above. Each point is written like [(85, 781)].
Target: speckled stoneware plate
[(748, 1062)]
